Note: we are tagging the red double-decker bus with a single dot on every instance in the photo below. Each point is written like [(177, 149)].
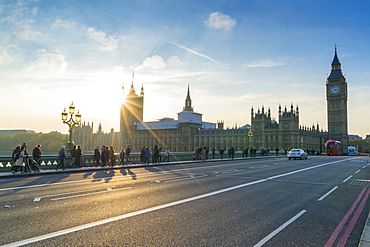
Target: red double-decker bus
[(333, 147)]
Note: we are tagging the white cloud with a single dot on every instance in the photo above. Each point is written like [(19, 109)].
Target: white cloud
[(25, 31), (175, 60), (217, 20), (59, 23), (106, 42), (154, 62), (47, 64)]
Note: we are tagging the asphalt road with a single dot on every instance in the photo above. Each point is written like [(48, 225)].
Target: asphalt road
[(256, 202)]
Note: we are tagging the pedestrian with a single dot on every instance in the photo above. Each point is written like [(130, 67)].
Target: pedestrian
[(155, 154), (245, 152), (73, 155), (159, 157), (222, 153), (15, 154), (142, 155), (166, 155), (78, 156), (36, 154), (104, 155), (61, 157), (122, 157), (232, 152), (25, 158), (111, 156), (127, 154), (213, 150), (18, 154), (203, 153), (97, 156), (277, 151), (198, 150), (206, 152), (147, 155)]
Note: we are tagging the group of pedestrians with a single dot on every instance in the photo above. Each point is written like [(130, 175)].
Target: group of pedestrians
[(107, 156), (23, 163), (76, 154), (201, 153)]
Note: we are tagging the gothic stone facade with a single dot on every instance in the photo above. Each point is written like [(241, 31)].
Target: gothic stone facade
[(286, 133)]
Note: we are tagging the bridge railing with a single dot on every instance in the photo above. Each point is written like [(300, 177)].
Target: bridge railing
[(87, 160)]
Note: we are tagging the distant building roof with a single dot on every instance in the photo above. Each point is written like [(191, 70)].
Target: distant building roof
[(167, 124)]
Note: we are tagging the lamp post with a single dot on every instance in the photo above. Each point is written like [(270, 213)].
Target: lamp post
[(250, 138), (71, 123)]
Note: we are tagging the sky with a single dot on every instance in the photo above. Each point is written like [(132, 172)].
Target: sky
[(233, 54)]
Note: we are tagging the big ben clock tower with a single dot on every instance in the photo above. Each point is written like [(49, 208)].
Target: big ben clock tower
[(336, 98)]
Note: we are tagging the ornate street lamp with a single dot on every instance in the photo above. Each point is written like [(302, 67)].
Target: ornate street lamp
[(250, 138), (71, 123)]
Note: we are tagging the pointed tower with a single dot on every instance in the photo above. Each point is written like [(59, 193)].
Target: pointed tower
[(188, 106), (132, 110), (188, 117), (336, 98)]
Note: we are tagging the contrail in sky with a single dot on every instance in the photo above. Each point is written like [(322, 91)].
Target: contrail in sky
[(194, 52)]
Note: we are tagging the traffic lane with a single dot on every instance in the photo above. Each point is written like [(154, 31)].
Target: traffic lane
[(48, 216), (324, 217), (235, 218), (251, 171), (105, 180), (43, 184)]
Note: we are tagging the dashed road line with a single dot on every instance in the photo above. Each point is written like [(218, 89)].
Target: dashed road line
[(331, 191)]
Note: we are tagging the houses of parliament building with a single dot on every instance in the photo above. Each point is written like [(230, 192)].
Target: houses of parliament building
[(189, 131)]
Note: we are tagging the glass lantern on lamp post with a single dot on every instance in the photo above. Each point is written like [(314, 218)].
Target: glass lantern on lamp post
[(71, 123), (250, 138)]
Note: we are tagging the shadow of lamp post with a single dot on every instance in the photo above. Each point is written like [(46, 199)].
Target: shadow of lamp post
[(71, 123)]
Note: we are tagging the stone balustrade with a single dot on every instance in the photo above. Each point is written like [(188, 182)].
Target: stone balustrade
[(50, 162)]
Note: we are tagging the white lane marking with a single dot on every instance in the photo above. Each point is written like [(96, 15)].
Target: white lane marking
[(69, 193), (229, 171), (85, 226), (345, 180), (282, 227), (87, 194), (120, 177), (304, 169), (331, 191), (185, 178), (358, 171)]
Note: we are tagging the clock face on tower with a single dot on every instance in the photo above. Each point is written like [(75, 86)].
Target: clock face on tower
[(334, 89)]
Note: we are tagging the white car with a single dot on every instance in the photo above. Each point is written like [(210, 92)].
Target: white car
[(297, 154)]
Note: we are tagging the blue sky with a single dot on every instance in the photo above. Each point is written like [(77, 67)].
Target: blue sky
[(233, 54)]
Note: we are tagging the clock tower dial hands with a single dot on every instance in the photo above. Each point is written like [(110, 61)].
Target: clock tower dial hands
[(334, 89)]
